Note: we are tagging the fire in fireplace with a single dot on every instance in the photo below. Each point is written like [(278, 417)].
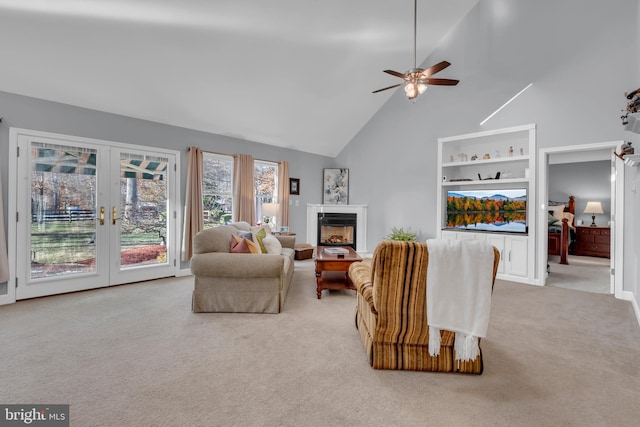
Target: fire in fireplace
[(337, 229)]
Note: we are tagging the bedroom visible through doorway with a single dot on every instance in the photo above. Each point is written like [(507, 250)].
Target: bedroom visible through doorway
[(589, 172)]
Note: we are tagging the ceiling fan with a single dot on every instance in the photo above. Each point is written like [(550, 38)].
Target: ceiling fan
[(417, 79)]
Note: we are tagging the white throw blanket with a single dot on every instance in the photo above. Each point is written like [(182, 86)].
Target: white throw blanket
[(459, 281)]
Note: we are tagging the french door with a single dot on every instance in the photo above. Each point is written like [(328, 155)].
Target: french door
[(91, 213)]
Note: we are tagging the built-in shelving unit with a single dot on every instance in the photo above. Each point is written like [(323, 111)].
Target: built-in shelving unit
[(632, 160), (497, 159)]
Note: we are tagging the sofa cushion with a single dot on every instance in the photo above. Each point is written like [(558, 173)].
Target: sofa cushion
[(272, 245), (214, 239), (242, 226), (241, 245)]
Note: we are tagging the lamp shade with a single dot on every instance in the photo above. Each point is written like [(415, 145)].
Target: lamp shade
[(270, 209), (594, 208)]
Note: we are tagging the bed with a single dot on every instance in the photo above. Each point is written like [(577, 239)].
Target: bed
[(561, 228)]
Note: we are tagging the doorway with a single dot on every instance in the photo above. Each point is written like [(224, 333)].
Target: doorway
[(577, 154), (89, 213)]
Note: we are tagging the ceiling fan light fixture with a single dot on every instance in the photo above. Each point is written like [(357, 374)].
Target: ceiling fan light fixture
[(411, 90), (417, 79)]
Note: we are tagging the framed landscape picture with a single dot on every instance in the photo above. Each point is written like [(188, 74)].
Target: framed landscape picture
[(294, 186), (335, 187)]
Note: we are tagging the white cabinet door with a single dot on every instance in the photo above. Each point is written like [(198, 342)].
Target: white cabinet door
[(449, 235), (516, 250), (469, 236), (498, 242)]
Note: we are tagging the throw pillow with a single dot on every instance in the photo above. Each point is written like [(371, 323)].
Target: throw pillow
[(259, 237), (557, 211), (264, 227), (272, 245), (246, 235), (240, 245), (552, 219)]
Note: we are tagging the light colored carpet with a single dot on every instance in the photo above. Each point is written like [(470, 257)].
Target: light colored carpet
[(135, 355), (584, 273)]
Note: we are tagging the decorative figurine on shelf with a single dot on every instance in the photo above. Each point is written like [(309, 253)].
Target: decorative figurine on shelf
[(633, 106), (511, 151), (451, 159), (497, 154), (484, 179), (521, 151), (625, 149), (486, 156), (474, 157)]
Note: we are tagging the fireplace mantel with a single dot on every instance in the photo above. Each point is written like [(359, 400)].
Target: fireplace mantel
[(361, 228)]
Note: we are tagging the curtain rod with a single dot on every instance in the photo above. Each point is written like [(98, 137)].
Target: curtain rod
[(225, 154)]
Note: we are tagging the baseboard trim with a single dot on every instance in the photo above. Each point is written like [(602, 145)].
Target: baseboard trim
[(183, 272), (629, 296)]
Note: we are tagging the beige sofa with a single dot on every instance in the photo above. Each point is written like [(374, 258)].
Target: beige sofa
[(239, 282)]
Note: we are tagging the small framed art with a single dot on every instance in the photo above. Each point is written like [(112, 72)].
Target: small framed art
[(294, 186)]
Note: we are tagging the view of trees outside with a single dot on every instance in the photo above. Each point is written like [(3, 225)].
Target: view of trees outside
[(64, 217), (144, 212), (217, 188), (266, 184)]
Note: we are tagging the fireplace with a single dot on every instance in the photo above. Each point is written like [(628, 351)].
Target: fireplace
[(360, 211), (337, 229)]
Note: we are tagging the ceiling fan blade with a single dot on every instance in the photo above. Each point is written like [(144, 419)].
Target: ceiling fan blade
[(397, 74), (390, 87), (441, 82), (435, 68)]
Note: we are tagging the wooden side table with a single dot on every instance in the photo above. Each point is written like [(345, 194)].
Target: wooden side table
[(593, 241), (332, 269)]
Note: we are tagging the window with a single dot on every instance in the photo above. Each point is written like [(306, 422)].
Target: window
[(217, 189), (266, 185)]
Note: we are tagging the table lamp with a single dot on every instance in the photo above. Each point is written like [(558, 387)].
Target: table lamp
[(593, 208), (269, 211)]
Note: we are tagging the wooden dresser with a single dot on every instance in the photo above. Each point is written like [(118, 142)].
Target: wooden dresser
[(594, 241)]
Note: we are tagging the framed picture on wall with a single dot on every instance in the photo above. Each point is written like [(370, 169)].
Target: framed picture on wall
[(294, 186), (335, 187)]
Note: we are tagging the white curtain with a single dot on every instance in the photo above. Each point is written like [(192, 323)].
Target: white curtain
[(4, 260)]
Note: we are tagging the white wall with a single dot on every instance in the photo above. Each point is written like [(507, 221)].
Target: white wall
[(581, 56)]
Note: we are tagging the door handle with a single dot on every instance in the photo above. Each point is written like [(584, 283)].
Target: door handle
[(114, 212), (101, 215)]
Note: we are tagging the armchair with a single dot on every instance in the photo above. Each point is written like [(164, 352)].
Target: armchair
[(391, 313)]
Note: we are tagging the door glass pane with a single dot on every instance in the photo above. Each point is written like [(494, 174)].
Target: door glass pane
[(63, 200), (143, 210)]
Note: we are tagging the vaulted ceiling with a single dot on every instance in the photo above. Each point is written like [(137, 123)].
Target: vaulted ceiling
[(296, 74)]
